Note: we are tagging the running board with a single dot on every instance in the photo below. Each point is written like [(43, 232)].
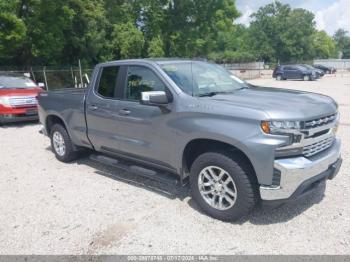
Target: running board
[(162, 177)]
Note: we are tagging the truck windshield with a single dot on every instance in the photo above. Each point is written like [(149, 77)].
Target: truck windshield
[(10, 82), (202, 79)]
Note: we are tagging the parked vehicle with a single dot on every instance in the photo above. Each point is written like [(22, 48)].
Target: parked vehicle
[(326, 69), (238, 144), (319, 73), (18, 98), (284, 72)]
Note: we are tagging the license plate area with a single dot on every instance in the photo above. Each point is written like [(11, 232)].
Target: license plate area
[(31, 112)]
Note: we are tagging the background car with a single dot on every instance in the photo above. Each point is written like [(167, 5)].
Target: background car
[(319, 73), (18, 98), (283, 72), (326, 69)]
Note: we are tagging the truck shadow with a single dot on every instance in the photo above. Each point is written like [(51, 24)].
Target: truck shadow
[(266, 216), (263, 215), (260, 216), (166, 190)]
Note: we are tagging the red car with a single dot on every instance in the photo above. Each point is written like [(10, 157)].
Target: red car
[(18, 98)]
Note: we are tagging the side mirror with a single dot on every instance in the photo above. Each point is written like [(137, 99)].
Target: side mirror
[(41, 85), (154, 98)]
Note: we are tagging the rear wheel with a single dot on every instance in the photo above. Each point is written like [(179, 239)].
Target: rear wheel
[(279, 77), (222, 186), (62, 145)]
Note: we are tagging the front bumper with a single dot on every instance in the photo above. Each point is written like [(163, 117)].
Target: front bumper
[(13, 118), (298, 173)]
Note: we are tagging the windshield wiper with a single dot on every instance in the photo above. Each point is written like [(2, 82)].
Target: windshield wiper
[(208, 94), (214, 93)]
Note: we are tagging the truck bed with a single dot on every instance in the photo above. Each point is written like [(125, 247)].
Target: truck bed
[(67, 104)]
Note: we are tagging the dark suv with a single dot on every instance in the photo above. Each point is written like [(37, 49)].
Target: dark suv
[(326, 69), (283, 72), (319, 72)]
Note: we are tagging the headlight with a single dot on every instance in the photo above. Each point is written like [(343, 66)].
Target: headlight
[(288, 129), (5, 101), (279, 127)]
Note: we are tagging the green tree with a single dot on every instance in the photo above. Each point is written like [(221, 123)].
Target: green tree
[(279, 32), (127, 41), (190, 28), (156, 47), (324, 46), (51, 32), (342, 40), (12, 36)]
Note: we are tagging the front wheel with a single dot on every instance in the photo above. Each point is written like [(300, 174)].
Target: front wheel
[(306, 78), (62, 145), (222, 186)]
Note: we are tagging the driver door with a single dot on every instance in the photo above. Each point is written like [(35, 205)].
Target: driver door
[(142, 129)]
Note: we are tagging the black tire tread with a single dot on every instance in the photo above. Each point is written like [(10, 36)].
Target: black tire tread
[(246, 180)]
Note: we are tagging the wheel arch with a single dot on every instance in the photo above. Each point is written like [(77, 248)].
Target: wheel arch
[(198, 146), (53, 119)]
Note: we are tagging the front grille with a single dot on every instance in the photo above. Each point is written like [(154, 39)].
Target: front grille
[(319, 121), (318, 147), (21, 101)]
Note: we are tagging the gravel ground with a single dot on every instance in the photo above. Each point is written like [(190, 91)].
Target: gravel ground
[(48, 207)]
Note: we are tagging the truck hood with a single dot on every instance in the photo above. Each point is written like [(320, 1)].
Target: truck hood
[(280, 104)]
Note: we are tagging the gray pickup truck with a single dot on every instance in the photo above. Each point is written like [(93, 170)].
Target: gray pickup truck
[(237, 144)]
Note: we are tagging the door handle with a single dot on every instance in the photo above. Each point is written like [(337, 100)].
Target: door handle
[(124, 112), (93, 107)]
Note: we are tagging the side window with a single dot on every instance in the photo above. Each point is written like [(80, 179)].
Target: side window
[(108, 81), (141, 79), (288, 68)]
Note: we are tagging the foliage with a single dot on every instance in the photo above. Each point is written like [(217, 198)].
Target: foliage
[(156, 48), (324, 45), (342, 40), (278, 32), (51, 32), (12, 35)]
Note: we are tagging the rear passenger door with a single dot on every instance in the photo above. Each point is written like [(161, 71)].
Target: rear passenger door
[(291, 72), (101, 108)]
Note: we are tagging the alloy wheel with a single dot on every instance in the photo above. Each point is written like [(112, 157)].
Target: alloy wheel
[(58, 143), (217, 188)]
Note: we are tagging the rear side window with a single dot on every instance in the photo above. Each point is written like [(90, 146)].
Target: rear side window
[(141, 79), (108, 81)]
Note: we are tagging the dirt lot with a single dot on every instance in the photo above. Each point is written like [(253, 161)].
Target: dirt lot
[(48, 207)]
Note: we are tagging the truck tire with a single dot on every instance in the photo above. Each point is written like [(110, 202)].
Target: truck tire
[(222, 186), (62, 145)]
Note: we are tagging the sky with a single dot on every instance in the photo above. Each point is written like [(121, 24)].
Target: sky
[(330, 15)]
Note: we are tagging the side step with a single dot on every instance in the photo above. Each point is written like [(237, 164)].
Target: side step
[(128, 166)]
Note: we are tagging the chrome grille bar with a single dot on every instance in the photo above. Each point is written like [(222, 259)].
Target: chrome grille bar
[(317, 147), (18, 101), (319, 121)]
